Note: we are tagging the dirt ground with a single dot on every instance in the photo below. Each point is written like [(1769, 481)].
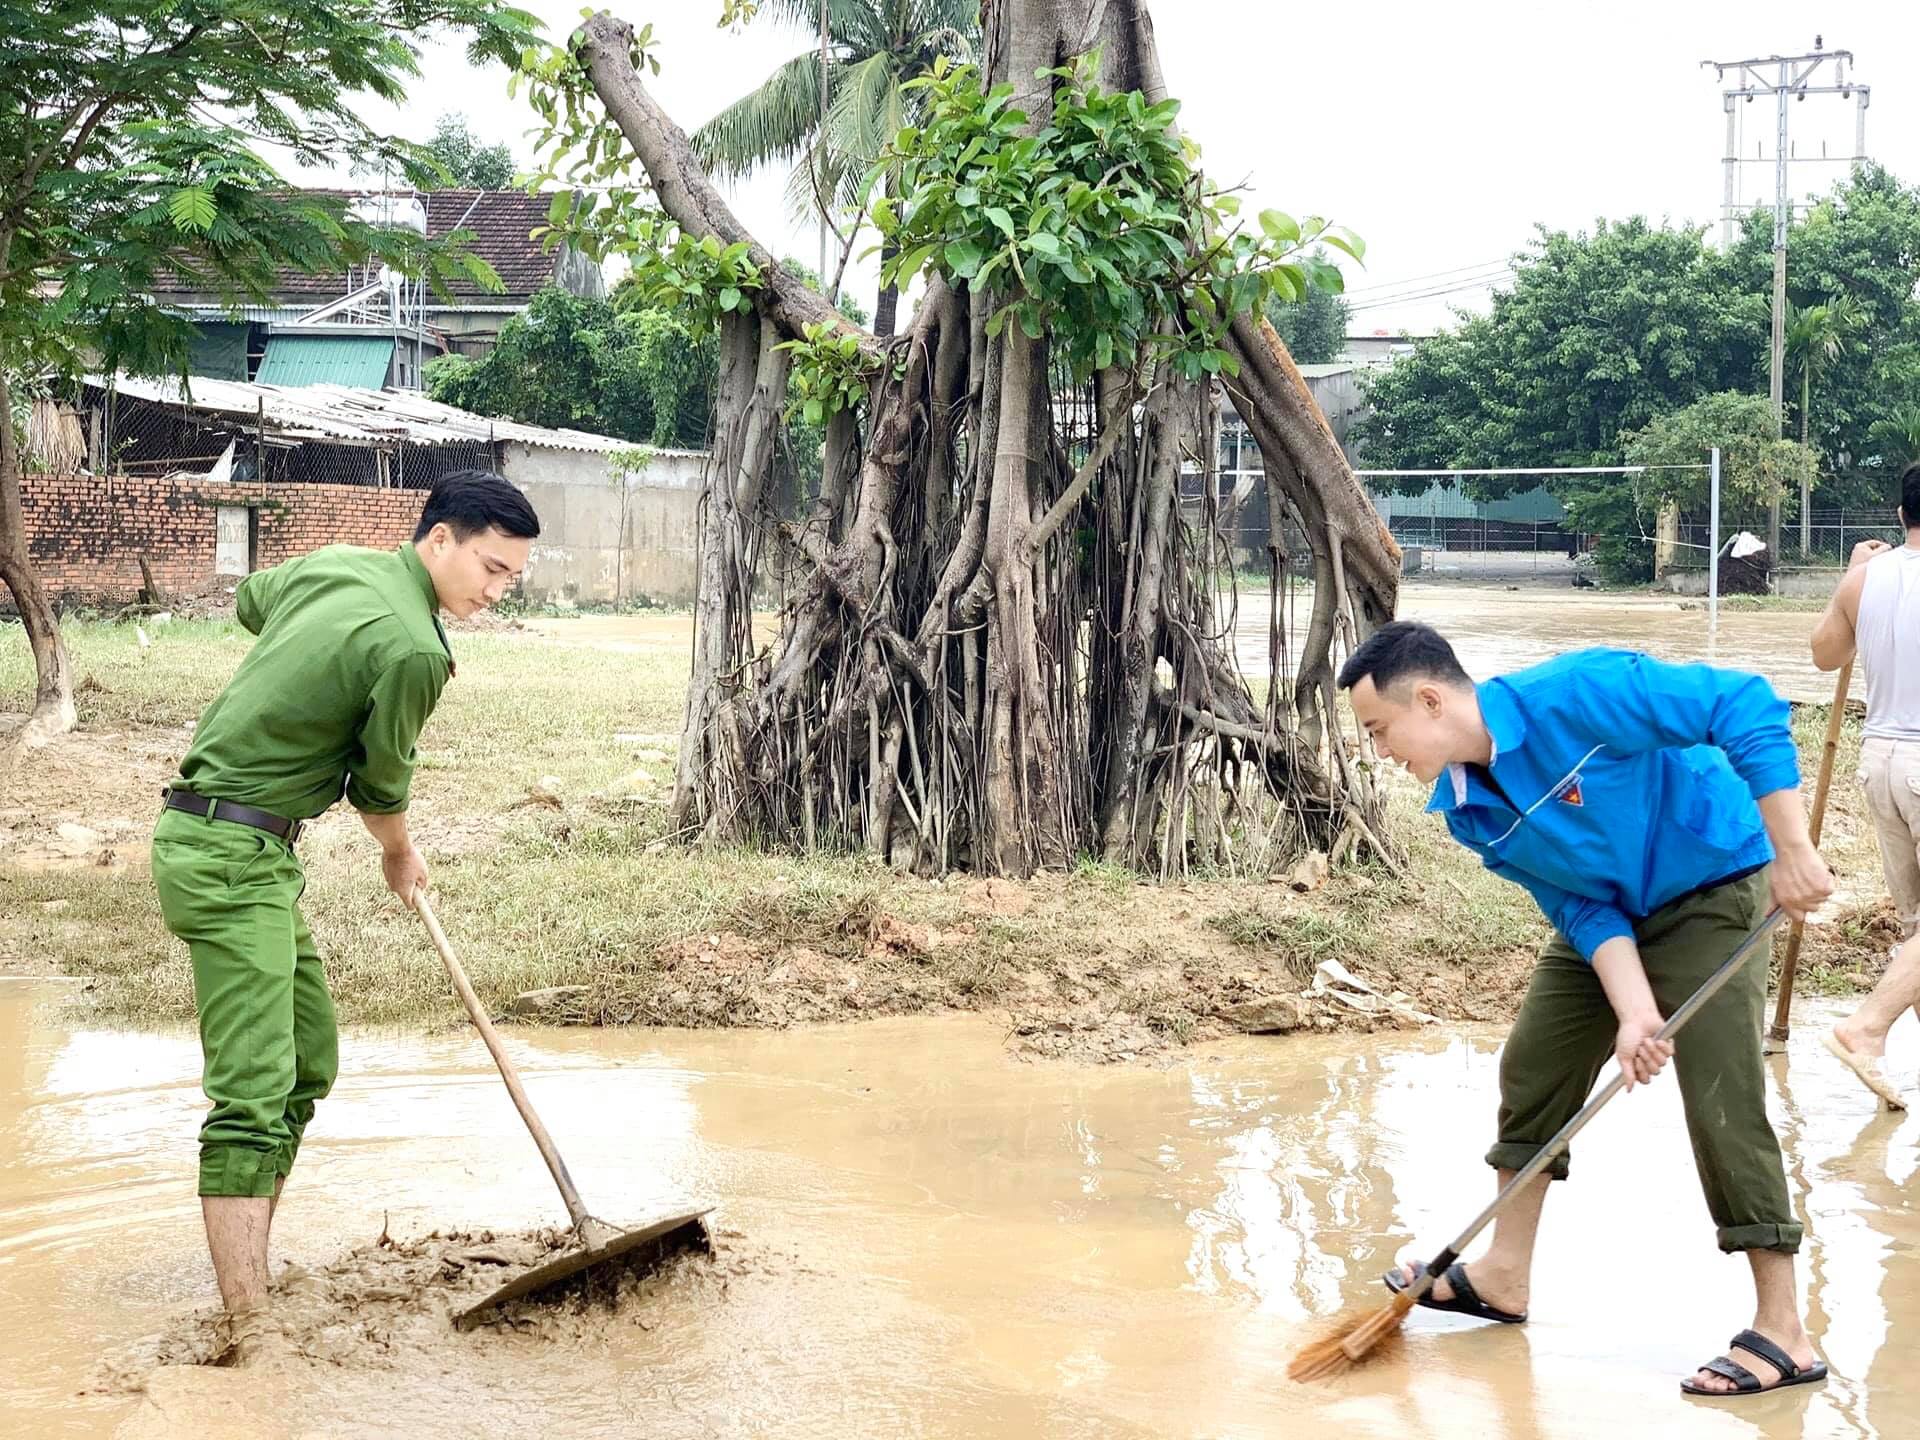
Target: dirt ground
[(570, 907), (1085, 964)]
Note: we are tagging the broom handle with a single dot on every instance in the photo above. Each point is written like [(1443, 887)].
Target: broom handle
[(549, 1152), (1790, 963), (1532, 1169)]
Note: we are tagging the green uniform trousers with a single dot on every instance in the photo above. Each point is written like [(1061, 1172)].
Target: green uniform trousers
[(268, 1041), (1564, 1038)]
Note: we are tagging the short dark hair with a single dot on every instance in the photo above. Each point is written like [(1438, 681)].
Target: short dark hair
[(1403, 650), (1910, 494), (469, 501)]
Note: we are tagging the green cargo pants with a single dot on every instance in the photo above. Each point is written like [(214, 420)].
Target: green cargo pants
[(268, 1042), (1564, 1037)]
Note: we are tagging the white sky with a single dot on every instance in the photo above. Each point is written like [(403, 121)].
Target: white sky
[(1440, 132)]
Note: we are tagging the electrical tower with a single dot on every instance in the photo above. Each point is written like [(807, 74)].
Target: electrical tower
[(1790, 77)]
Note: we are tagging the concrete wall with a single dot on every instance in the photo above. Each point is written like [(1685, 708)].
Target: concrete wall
[(586, 553), (1816, 582), (1339, 398)]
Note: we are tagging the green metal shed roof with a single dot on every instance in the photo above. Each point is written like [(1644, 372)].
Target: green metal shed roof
[(355, 360)]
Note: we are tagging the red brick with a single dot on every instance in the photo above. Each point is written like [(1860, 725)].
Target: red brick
[(85, 534)]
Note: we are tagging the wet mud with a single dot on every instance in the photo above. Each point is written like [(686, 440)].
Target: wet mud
[(918, 1234)]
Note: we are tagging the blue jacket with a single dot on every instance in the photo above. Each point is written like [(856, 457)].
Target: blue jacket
[(1628, 783)]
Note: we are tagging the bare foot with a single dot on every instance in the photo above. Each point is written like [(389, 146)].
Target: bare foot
[(1858, 1039), (1493, 1285), (1799, 1349), (248, 1338), (1860, 1051)]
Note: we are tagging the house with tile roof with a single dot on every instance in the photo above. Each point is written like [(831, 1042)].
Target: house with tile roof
[(368, 328)]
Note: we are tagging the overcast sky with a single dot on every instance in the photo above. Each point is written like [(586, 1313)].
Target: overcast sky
[(1441, 133)]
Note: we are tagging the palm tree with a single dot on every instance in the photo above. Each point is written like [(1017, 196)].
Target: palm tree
[(874, 47), (1818, 335), (1898, 437)]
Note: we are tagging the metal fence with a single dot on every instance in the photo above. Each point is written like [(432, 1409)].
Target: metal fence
[(1829, 538)]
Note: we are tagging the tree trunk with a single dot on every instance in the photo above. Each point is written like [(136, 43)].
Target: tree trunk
[(1002, 649), (886, 305), (53, 712), (752, 386)]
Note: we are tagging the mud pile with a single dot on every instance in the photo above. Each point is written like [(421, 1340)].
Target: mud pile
[(390, 1305)]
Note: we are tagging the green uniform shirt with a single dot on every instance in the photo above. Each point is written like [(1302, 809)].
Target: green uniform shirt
[(351, 661)]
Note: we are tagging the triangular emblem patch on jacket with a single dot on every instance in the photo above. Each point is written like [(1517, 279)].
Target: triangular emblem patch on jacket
[(1571, 795)]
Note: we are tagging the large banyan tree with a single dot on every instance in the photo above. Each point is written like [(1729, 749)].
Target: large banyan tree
[(1004, 641)]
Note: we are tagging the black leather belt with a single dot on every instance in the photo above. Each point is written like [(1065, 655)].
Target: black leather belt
[(234, 812)]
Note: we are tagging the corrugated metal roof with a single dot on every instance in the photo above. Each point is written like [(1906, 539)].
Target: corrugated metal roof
[(345, 416), (360, 362)]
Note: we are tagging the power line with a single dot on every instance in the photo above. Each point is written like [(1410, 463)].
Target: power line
[(1791, 74), (1423, 279), (1462, 282), (1487, 283)]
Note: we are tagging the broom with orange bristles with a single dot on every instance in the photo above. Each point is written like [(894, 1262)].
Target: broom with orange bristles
[(1357, 1335)]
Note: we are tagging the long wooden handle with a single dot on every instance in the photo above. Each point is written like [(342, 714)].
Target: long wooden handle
[(1790, 963), (1544, 1156), (548, 1151)]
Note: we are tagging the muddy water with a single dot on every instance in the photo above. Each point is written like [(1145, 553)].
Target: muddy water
[(1496, 630), (920, 1236)]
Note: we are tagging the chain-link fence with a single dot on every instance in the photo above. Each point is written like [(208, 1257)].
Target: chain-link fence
[(1825, 542), (133, 436)]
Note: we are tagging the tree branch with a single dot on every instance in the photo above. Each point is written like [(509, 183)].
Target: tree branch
[(685, 191)]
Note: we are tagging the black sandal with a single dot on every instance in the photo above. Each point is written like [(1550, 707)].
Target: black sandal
[(1745, 1382), (1466, 1300)]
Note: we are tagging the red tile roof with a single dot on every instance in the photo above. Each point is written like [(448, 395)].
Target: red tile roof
[(502, 222)]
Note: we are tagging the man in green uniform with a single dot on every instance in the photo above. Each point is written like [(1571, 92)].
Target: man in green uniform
[(350, 662)]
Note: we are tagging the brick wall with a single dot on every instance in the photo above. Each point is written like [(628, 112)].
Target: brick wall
[(86, 533)]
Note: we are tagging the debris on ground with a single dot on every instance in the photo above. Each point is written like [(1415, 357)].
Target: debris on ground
[(389, 1304)]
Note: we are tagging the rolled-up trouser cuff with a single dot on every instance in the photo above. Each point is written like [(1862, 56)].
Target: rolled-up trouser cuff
[(1515, 1157), (238, 1170), (1784, 1238)]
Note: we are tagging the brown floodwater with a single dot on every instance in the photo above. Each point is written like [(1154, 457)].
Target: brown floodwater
[(1497, 630), (1494, 628), (922, 1236)]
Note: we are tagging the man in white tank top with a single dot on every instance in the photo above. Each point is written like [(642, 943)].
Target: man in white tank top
[(1875, 614)]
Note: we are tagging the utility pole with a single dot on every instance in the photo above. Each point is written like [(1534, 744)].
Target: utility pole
[(820, 149), (1791, 76)]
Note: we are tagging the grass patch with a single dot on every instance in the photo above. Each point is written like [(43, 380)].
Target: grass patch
[(535, 897)]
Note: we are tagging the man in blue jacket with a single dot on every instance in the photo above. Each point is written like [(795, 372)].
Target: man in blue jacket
[(1649, 808)]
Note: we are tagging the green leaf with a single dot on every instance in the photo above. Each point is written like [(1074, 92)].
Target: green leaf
[(1280, 227), (963, 258), (815, 411), (560, 207), (1044, 242), (192, 208), (999, 216), (1342, 238), (730, 298), (1103, 350), (915, 260)]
